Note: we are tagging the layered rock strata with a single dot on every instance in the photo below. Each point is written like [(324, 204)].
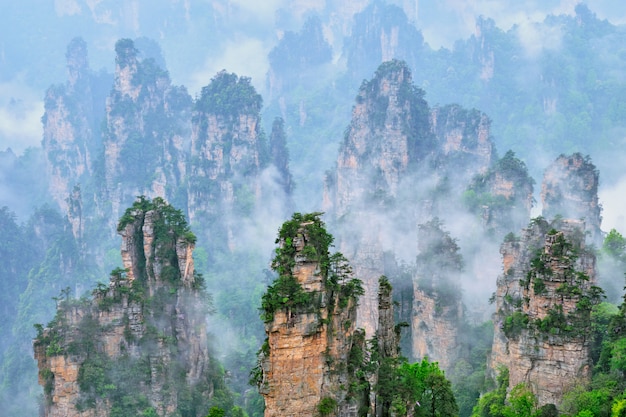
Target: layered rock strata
[(543, 302), (303, 363), (140, 345)]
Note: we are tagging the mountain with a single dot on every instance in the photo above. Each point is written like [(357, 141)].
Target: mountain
[(139, 345)]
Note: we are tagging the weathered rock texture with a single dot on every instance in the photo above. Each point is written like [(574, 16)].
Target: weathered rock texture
[(437, 306), (399, 165), (308, 347), (570, 189), (502, 196), (147, 131), (315, 361), (225, 142), (543, 302), (141, 343), (70, 135)]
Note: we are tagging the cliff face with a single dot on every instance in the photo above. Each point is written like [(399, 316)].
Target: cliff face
[(147, 131), (389, 134), (570, 189), (310, 328), (226, 142), (437, 306), (543, 304), (399, 165), (502, 196), (68, 123), (315, 361), (140, 344)]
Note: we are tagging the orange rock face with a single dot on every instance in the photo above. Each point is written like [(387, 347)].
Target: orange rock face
[(307, 350)]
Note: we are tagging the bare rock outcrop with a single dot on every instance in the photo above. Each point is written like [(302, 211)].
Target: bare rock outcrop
[(310, 315), (399, 165), (70, 116), (146, 138)]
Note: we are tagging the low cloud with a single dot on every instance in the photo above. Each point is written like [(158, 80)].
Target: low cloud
[(612, 200), (245, 57), (20, 117)]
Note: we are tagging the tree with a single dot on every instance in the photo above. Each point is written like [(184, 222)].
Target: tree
[(424, 389), (522, 402), (216, 412)]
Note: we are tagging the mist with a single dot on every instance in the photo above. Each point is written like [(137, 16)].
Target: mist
[(531, 106)]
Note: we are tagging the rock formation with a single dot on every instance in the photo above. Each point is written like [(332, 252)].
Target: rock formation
[(70, 126), (547, 288), (399, 165), (543, 303), (140, 345), (570, 190), (313, 360), (310, 315), (502, 196), (225, 142), (437, 306), (147, 131)]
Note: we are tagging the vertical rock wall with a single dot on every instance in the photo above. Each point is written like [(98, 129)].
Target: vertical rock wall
[(307, 348), (147, 323)]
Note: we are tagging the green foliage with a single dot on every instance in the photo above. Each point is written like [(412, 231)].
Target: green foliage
[(285, 292), (514, 324), (618, 355), (492, 403), (229, 95), (423, 387), (216, 412), (125, 52), (326, 406), (614, 246)]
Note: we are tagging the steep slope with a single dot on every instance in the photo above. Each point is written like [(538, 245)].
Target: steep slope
[(228, 148), (147, 131), (502, 196), (140, 345), (437, 299), (71, 122), (399, 165), (543, 303), (570, 189), (547, 289), (314, 359), (310, 316)]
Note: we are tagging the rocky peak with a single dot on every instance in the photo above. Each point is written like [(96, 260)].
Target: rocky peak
[(502, 196), (399, 165), (389, 131), (68, 122), (77, 63), (147, 131), (570, 190), (310, 323), (543, 304), (139, 346), (228, 149), (126, 66), (463, 138), (381, 32)]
